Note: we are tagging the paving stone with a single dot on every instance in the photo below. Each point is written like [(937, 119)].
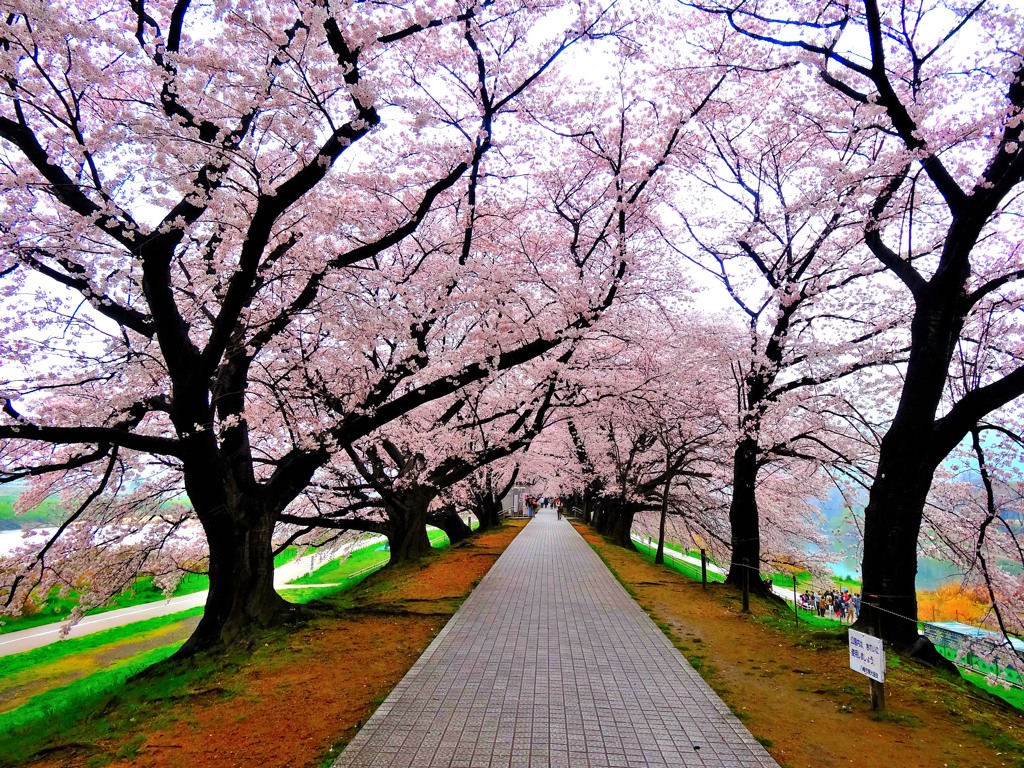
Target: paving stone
[(550, 662)]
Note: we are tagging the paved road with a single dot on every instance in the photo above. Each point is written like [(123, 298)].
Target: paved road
[(37, 637), (551, 663), (694, 561)]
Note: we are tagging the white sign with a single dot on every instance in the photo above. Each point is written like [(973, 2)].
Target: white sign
[(867, 655)]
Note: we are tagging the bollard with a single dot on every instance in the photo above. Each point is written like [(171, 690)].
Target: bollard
[(704, 568)]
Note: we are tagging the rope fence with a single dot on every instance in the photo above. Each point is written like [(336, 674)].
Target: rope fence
[(982, 649)]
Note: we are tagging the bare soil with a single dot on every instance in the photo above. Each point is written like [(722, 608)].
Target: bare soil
[(795, 691)]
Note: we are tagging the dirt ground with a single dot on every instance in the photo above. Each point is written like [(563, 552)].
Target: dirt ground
[(798, 696), (297, 701)]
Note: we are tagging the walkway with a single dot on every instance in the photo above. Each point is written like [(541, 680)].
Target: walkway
[(550, 663)]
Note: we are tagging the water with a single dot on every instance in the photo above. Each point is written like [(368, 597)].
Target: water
[(930, 573), (11, 540)]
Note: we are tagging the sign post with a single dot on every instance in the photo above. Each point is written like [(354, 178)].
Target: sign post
[(867, 656)]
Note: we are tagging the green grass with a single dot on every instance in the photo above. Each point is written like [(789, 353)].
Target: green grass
[(1012, 696), (813, 631), (47, 514), (287, 556), (57, 608), (891, 716), (438, 538), (83, 712), (345, 573), (46, 717), (337, 571), (679, 566), (10, 665)]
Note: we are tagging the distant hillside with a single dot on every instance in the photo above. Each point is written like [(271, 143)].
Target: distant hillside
[(49, 513)]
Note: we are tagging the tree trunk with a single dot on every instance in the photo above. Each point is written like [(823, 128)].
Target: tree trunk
[(488, 512), (449, 521), (620, 524), (743, 518), (659, 556), (242, 595), (407, 524), (892, 524), (907, 459)]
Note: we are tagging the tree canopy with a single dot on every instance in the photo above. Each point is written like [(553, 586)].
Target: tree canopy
[(274, 271)]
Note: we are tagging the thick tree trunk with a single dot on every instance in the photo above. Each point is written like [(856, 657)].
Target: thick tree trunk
[(449, 521), (907, 459), (892, 523), (620, 524), (744, 519), (488, 512), (407, 524), (242, 595)]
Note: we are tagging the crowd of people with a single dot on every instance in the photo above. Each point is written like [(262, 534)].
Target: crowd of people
[(535, 504), (840, 605)]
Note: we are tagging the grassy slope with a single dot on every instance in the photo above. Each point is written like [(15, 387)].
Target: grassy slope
[(679, 566), (143, 591), (62, 704), (48, 513), (1013, 696)]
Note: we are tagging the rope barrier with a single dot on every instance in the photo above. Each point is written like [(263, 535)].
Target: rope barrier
[(866, 599)]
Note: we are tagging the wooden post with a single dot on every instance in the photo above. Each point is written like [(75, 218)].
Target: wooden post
[(704, 568), (796, 603), (746, 586), (877, 688), (877, 695)]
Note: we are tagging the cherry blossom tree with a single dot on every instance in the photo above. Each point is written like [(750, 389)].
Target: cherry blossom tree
[(649, 430), (945, 86), (770, 211), (245, 240), (391, 481), (188, 190), (487, 488)]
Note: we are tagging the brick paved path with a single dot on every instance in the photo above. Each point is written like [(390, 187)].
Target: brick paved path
[(550, 663)]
